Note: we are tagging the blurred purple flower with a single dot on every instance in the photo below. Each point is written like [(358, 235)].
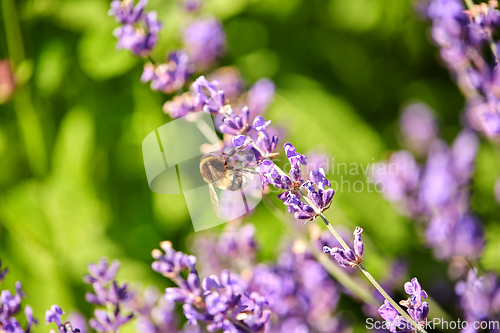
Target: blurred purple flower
[(107, 293), (205, 41), (192, 5), (260, 96), (168, 77), (140, 40), (207, 96), (479, 296), (180, 105), (418, 128), (221, 303), (230, 82), (126, 12)]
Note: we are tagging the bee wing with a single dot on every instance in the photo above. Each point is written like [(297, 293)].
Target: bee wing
[(214, 198), (217, 176), (246, 176)]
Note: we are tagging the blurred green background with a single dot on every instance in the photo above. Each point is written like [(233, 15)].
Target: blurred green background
[(72, 181)]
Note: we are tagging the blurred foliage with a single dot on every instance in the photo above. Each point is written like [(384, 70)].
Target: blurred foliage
[(72, 182)]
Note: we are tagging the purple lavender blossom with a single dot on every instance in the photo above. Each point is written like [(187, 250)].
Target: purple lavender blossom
[(348, 257), (220, 303), (170, 76), (192, 5), (396, 323), (400, 178), (10, 305), (230, 82), (126, 12), (105, 322), (180, 105), (154, 313), (260, 96), (107, 293), (463, 36), (139, 40), (418, 128), (54, 316), (233, 124), (318, 194), (207, 96), (205, 41), (479, 296), (417, 309)]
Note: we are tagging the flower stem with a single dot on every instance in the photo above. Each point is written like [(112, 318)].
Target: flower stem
[(335, 271), (372, 279)]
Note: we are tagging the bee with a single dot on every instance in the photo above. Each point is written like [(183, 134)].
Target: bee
[(216, 171)]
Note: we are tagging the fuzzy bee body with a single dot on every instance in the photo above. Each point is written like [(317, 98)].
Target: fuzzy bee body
[(216, 172)]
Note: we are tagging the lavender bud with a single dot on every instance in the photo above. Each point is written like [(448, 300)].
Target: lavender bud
[(358, 243)]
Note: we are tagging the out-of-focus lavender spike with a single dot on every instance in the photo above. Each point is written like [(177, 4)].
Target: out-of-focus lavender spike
[(126, 12), (418, 128), (170, 76), (260, 96), (205, 41)]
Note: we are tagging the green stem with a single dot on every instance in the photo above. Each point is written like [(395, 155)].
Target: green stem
[(28, 119), (336, 272), (362, 268), (373, 281)]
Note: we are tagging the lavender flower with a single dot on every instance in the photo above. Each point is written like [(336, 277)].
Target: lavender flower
[(318, 194), (348, 257), (463, 36), (54, 316), (139, 37), (205, 41), (479, 296), (438, 193), (230, 82), (260, 96), (154, 313), (207, 96), (10, 305), (126, 12), (220, 303), (107, 293), (168, 77), (418, 127), (180, 105), (192, 5), (233, 124), (417, 309)]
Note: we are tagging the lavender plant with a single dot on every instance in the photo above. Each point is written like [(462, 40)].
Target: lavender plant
[(436, 193), (10, 306), (221, 303), (466, 38), (54, 316), (109, 294)]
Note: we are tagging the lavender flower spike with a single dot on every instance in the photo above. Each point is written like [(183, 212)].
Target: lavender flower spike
[(205, 41), (348, 257), (213, 102), (125, 12), (417, 309), (54, 316), (358, 243)]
